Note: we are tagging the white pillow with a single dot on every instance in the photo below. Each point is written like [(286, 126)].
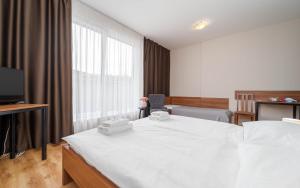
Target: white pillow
[(263, 166), (290, 120), (272, 133)]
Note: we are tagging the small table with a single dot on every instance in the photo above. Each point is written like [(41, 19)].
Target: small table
[(12, 110), (142, 110), (294, 105)]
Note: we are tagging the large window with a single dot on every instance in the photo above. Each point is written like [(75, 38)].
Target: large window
[(106, 78), (119, 57), (86, 49)]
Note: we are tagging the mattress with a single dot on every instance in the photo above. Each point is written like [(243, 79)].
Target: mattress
[(180, 152), (222, 115)]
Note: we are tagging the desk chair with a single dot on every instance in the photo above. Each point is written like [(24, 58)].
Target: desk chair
[(245, 107), (157, 102)]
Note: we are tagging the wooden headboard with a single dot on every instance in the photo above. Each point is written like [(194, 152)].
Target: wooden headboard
[(265, 95), (203, 102)]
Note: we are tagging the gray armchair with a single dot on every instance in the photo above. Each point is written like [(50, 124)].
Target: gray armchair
[(157, 102)]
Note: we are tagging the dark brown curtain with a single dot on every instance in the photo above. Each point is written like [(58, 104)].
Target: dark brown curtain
[(35, 36), (156, 69)]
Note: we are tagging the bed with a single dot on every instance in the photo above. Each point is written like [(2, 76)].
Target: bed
[(216, 109), (182, 152), (223, 115)]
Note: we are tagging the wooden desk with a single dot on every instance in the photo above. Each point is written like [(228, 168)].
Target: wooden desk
[(11, 110), (258, 103)]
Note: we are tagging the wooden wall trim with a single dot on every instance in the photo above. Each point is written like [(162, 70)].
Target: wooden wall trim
[(203, 102), (265, 95)]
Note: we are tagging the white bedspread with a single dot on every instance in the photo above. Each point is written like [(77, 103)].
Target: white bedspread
[(181, 152)]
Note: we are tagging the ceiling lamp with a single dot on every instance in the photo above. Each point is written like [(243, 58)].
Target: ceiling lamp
[(201, 24)]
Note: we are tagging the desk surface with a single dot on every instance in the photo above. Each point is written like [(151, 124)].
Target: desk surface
[(278, 103), (13, 107)]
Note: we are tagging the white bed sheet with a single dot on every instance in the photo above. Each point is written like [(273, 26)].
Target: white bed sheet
[(181, 152), (268, 166)]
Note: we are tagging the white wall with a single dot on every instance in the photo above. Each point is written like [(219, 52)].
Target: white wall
[(185, 76), (266, 58)]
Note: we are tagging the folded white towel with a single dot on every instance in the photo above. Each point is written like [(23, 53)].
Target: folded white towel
[(114, 130), (115, 123), (159, 118), (160, 113)]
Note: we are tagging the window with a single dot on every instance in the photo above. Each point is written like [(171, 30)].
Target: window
[(119, 56), (106, 78), (86, 49)]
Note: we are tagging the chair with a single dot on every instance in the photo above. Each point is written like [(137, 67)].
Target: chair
[(157, 102), (245, 107)]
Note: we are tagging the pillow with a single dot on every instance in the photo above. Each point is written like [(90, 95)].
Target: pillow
[(290, 120), (264, 166), (272, 133)]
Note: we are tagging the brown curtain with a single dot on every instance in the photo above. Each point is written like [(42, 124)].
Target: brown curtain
[(156, 69), (35, 36)]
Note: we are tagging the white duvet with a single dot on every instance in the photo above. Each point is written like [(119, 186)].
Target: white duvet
[(194, 153), (181, 152), (270, 155)]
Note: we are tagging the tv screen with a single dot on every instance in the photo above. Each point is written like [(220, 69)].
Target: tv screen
[(11, 85)]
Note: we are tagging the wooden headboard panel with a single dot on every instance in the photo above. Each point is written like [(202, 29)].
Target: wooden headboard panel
[(265, 95), (203, 102)]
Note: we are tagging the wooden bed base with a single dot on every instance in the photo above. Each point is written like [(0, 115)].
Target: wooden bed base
[(76, 169)]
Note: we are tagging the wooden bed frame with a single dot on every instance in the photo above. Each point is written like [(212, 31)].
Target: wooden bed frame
[(75, 169)]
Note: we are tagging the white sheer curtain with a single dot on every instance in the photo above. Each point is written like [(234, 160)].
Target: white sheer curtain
[(107, 69)]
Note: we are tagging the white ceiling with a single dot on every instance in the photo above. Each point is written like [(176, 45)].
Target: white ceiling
[(169, 22)]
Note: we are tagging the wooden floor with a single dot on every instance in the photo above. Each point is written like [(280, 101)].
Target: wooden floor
[(29, 171)]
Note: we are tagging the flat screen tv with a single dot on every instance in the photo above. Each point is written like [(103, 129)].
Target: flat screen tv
[(11, 85)]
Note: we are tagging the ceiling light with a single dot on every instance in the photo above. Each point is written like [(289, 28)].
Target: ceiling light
[(201, 24)]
